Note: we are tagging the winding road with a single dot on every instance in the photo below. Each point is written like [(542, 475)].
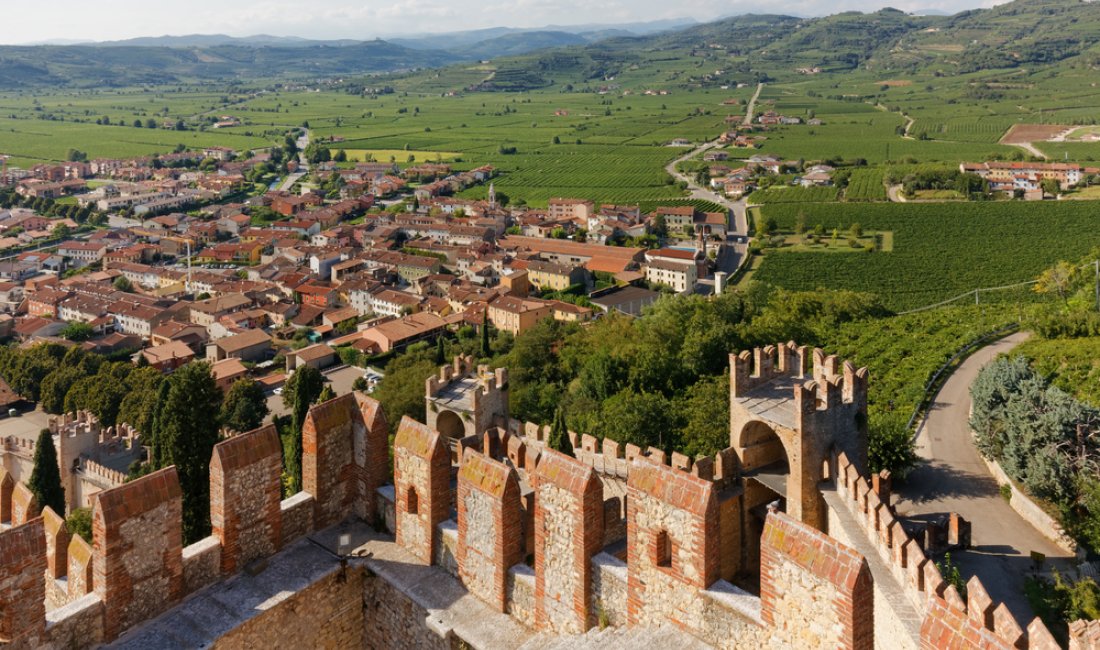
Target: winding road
[(954, 478)]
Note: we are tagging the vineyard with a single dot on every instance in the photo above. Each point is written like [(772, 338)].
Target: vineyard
[(781, 194), (865, 185), (902, 353), (939, 250)]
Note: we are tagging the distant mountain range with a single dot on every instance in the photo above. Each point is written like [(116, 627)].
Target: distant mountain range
[(1019, 33)]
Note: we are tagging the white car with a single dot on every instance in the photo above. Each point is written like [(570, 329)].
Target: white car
[(279, 390)]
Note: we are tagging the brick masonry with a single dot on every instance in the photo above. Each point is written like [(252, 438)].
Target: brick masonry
[(22, 589), (672, 525), (815, 592), (344, 451), (489, 527), (422, 488), (138, 554), (569, 530), (245, 496)]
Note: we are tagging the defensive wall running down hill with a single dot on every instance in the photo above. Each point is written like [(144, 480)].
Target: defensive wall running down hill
[(491, 540)]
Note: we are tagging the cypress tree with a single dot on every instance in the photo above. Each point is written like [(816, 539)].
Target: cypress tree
[(189, 429), (302, 390), (45, 481), (559, 434), (156, 438), (485, 351), (440, 352)]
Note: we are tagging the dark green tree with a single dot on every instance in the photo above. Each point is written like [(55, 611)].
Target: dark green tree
[(440, 352), (157, 451), (559, 434), (45, 481), (485, 349), (326, 394), (302, 390), (189, 430), (245, 406)]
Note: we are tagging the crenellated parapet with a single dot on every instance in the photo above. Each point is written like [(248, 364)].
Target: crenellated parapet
[(464, 399), (750, 370), (136, 567), (948, 620), (101, 473)]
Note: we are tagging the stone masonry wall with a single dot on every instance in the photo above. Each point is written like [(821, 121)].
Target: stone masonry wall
[(138, 555), (422, 477), (814, 592), (328, 456), (327, 614), (569, 530), (244, 497), (489, 527), (394, 620), (673, 549)]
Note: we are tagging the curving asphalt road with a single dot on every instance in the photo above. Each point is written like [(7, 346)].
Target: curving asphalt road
[(954, 478)]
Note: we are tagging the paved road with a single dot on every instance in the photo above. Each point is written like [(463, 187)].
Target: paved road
[(751, 108), (955, 479), (303, 164), (731, 258)]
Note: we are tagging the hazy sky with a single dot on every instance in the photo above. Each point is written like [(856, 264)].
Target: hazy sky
[(23, 22)]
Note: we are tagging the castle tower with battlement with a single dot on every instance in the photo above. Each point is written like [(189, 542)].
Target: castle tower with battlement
[(465, 399), (789, 408), (508, 544)]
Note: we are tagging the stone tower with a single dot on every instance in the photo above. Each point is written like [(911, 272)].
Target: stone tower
[(785, 423), (465, 400)]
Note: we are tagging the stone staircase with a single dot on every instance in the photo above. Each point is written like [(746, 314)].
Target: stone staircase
[(618, 638)]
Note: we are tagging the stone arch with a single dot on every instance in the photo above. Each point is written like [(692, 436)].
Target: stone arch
[(450, 425), (760, 445)]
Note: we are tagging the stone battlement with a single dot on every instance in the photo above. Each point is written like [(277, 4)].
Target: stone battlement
[(546, 542), (948, 621), (94, 470), (137, 567), (828, 382), (611, 459)]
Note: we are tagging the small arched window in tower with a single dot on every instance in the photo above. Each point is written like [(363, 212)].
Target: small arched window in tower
[(412, 502), (663, 550)]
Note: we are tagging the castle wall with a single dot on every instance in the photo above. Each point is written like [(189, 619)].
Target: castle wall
[(24, 506), (815, 592), (672, 525), (245, 495), (569, 530), (22, 589), (395, 620), (490, 527), (327, 614), (138, 558), (422, 491)]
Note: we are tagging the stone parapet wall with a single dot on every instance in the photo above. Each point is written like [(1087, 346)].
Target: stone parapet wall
[(948, 621), (137, 568)]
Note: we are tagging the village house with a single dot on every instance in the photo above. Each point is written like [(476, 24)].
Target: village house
[(251, 345), (680, 276), (402, 332), (555, 277)]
